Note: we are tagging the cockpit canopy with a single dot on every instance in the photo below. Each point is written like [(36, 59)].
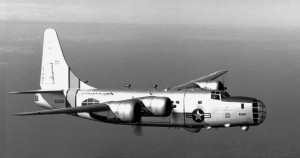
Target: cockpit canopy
[(217, 95)]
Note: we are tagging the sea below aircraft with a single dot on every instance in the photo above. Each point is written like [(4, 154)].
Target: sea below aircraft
[(200, 103)]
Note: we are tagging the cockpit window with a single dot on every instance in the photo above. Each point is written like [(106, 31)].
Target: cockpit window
[(218, 95), (224, 95), (215, 96)]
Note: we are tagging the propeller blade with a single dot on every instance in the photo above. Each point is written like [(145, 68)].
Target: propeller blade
[(173, 115)]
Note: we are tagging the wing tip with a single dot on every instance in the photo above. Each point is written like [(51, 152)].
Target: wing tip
[(13, 92), (17, 114), (222, 71), (24, 114)]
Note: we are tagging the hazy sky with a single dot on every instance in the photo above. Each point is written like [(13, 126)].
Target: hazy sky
[(208, 12)]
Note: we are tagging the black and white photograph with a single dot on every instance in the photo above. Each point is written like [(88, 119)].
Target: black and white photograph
[(149, 78)]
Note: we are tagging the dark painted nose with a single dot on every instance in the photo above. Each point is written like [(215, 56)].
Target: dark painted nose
[(259, 112)]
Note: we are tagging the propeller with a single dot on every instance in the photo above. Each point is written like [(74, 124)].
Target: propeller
[(138, 130), (174, 116)]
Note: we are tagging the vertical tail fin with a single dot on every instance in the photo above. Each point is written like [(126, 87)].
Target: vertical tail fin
[(55, 72)]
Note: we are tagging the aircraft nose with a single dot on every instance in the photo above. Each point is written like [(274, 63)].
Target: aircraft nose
[(259, 112), (263, 110)]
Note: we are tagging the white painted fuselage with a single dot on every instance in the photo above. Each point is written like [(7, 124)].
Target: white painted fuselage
[(217, 111)]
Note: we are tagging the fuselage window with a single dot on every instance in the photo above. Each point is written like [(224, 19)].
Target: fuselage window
[(177, 102), (242, 106), (90, 101), (199, 102)]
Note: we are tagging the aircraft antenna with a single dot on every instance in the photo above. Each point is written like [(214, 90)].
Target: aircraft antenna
[(128, 86), (155, 86)]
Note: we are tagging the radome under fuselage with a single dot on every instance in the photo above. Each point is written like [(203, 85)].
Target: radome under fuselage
[(192, 108)]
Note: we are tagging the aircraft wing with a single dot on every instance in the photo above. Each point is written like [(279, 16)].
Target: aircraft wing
[(90, 108), (193, 83), (38, 91)]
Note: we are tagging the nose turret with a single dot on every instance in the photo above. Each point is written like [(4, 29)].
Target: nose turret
[(259, 112)]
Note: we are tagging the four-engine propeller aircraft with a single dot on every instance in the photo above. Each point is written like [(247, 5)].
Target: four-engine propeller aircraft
[(201, 103)]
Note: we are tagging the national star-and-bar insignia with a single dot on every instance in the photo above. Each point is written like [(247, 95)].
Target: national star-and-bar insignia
[(198, 115)]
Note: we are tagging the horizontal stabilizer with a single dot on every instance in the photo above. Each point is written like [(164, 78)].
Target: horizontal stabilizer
[(38, 91), (91, 108)]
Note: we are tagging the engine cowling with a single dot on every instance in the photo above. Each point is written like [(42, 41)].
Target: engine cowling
[(211, 85), (158, 106), (127, 110)]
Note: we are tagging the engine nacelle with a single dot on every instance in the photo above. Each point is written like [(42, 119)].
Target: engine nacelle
[(158, 106), (211, 85), (127, 110)]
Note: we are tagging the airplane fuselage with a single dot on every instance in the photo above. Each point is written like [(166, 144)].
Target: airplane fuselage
[(192, 108)]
